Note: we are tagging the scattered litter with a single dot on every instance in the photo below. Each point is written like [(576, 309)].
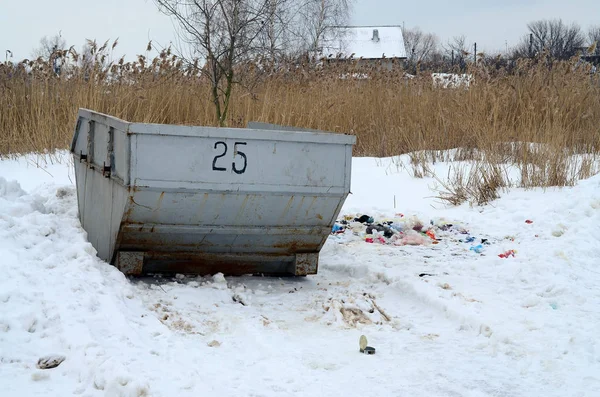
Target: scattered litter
[(369, 350), (477, 248), (214, 343), (364, 219), (362, 343), (412, 238), (508, 253), (338, 229), (363, 348), (387, 231), (49, 362), (402, 230), (529, 221)]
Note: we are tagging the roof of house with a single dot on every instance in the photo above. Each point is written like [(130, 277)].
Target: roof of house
[(369, 42)]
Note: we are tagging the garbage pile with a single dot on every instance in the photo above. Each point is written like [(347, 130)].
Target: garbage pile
[(399, 230), (402, 230)]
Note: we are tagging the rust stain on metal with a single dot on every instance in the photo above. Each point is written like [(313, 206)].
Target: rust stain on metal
[(145, 240), (242, 206), (130, 263), (287, 207), (127, 215), (295, 246), (159, 201), (219, 207), (306, 264), (314, 199), (202, 203)]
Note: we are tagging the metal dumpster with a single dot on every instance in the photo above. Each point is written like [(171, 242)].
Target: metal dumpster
[(156, 198)]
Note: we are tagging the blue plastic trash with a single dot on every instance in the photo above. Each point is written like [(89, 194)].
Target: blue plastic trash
[(478, 248), (337, 228)]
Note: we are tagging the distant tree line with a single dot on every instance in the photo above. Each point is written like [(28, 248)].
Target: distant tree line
[(556, 39), (237, 41)]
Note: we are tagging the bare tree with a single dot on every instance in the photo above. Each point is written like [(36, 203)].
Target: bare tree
[(48, 46), (317, 17), (420, 46), (456, 50), (52, 50), (561, 41), (277, 38), (226, 34), (594, 39)]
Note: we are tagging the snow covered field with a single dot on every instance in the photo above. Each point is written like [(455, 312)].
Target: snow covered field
[(445, 320)]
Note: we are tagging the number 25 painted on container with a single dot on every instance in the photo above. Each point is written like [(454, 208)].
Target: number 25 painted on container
[(236, 152)]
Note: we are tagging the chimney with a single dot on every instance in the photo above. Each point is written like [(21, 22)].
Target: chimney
[(375, 35)]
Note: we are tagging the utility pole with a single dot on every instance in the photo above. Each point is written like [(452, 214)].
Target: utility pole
[(530, 45), (6, 55), (475, 52)]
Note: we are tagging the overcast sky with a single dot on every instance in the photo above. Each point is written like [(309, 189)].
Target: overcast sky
[(492, 24)]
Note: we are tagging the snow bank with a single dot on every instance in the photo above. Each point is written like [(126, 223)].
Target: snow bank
[(445, 321)]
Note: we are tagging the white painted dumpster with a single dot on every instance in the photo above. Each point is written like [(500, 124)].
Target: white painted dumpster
[(157, 198)]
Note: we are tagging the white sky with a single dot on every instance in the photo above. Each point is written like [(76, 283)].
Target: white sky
[(491, 24)]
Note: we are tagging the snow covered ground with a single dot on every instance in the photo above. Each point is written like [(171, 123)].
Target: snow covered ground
[(445, 320)]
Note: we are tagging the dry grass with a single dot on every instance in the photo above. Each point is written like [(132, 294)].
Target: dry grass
[(556, 110)]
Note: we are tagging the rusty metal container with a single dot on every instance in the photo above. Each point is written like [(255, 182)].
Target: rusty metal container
[(156, 198)]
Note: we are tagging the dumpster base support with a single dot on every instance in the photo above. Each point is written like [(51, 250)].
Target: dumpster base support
[(137, 263), (130, 262), (305, 264)]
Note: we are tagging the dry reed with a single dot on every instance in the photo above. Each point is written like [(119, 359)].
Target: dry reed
[(536, 115)]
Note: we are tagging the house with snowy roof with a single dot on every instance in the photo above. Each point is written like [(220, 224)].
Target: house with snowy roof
[(368, 44)]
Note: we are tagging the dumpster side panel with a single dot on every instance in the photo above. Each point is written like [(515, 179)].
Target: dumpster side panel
[(250, 164), (119, 160), (209, 207), (81, 184), (101, 195), (176, 238), (99, 140), (281, 135), (101, 206), (203, 199), (248, 197)]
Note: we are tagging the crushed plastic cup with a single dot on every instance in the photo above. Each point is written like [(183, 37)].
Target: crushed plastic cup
[(477, 248)]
